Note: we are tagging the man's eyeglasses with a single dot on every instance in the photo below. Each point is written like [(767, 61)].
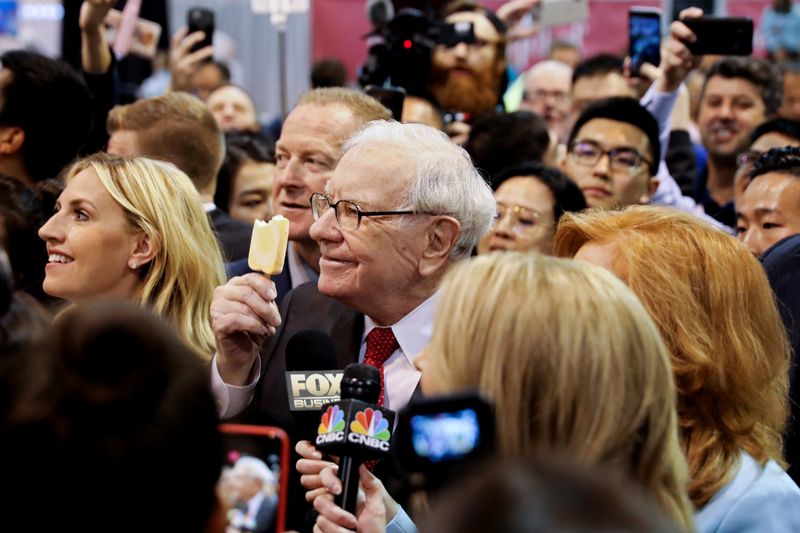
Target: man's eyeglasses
[(540, 95), (626, 160), (348, 214), (522, 218)]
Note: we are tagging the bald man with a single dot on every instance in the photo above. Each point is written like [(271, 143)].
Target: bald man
[(547, 93)]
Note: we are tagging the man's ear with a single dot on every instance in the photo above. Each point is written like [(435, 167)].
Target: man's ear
[(442, 235), (650, 191), (11, 139), (143, 251)]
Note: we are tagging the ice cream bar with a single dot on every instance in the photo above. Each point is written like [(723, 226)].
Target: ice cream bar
[(268, 245)]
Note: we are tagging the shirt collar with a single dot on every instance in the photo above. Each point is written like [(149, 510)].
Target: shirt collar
[(413, 331), (209, 206)]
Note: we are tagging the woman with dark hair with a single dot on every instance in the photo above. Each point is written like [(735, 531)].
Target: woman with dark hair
[(23, 211), (530, 200), (244, 183)]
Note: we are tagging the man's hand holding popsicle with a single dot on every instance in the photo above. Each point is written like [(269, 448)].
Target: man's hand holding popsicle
[(243, 313)]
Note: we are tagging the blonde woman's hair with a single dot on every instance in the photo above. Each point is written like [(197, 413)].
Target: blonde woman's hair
[(572, 363), (712, 302), (161, 201)]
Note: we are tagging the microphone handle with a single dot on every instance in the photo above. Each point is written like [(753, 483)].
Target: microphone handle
[(348, 474)]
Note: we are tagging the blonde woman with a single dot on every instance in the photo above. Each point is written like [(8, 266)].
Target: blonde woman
[(713, 305), (572, 363), (134, 228)]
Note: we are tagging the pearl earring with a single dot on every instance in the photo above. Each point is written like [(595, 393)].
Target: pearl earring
[(133, 265)]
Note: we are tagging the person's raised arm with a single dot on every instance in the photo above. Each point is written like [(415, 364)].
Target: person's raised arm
[(95, 53), (183, 61), (243, 316)]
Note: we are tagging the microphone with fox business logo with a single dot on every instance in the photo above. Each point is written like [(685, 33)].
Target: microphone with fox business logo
[(310, 381), (356, 429)]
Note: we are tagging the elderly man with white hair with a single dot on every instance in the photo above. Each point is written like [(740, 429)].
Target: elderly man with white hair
[(547, 93), (253, 487), (403, 204)]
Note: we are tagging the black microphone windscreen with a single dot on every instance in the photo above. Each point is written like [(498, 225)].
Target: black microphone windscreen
[(362, 372), (311, 350)]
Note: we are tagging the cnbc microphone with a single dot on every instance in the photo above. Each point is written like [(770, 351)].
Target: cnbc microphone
[(310, 382), (356, 429)]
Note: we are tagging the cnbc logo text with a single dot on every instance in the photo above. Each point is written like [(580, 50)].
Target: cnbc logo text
[(368, 429), (309, 391)]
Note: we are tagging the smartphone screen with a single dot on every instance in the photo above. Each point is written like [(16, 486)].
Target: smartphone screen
[(644, 37), (254, 477), (445, 436)]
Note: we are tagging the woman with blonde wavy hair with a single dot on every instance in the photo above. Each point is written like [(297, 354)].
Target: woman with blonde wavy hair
[(572, 363), (134, 228), (713, 305)]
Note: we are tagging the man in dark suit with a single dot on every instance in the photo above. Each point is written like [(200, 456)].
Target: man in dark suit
[(403, 204), (178, 128)]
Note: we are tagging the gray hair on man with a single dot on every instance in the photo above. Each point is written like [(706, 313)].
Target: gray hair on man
[(254, 468), (549, 65), (445, 180)]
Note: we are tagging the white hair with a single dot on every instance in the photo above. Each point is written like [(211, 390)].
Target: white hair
[(548, 65), (445, 180), (254, 468)]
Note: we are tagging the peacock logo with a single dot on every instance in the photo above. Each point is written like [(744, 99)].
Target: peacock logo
[(371, 423), (332, 421)]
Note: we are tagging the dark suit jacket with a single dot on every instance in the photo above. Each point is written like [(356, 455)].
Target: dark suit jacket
[(283, 281), (302, 309), (782, 263), (233, 235), (265, 517)]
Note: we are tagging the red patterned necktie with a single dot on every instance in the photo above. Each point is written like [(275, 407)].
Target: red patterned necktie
[(381, 344)]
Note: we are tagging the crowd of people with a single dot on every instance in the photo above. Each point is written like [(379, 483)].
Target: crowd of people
[(609, 259)]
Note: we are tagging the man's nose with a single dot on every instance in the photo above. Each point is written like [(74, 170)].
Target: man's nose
[(752, 240), (461, 50), (325, 228), (603, 165)]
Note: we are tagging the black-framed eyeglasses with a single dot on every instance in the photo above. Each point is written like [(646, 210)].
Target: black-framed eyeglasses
[(348, 214), (588, 153)]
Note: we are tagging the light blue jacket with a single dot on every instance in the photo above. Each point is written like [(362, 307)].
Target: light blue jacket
[(758, 499), (781, 30)]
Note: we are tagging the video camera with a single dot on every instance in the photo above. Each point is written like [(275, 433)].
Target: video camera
[(400, 50)]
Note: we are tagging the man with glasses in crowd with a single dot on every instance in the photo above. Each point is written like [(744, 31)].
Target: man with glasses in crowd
[(405, 203), (401, 206), (547, 93), (613, 154)]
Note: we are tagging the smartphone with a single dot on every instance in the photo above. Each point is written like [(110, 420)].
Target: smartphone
[(201, 19), (644, 37), (560, 12), (255, 477), (391, 97), (731, 36), (438, 437)]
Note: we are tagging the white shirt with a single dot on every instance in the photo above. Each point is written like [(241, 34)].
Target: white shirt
[(413, 332), (209, 206), (299, 271)]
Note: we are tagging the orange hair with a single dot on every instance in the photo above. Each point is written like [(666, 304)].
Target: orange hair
[(712, 302)]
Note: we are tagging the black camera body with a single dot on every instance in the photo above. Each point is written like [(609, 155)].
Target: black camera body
[(401, 50), (438, 439)]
